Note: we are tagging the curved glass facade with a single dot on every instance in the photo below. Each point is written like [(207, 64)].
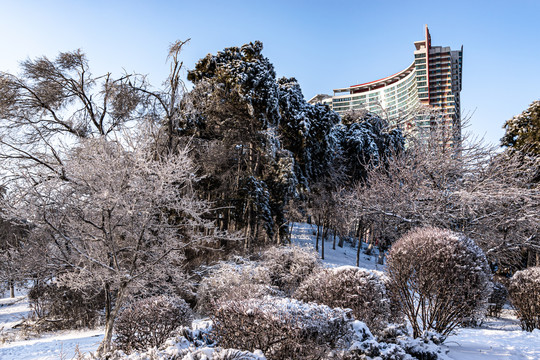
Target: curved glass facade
[(432, 80)]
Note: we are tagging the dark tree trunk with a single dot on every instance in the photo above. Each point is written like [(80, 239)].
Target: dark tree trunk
[(358, 253), (11, 289), (317, 238), (322, 242)]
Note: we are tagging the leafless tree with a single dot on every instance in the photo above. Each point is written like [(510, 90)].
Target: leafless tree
[(466, 187), (114, 218), (11, 252), (55, 101)]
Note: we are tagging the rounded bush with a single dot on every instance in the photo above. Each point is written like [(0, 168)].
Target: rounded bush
[(282, 328), (230, 281), (361, 290), (288, 266), (441, 279), (149, 322), (524, 292)]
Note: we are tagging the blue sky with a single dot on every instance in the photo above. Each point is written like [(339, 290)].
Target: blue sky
[(324, 44)]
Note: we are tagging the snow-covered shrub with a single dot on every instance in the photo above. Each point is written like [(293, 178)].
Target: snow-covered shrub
[(282, 328), (173, 353), (149, 322), (59, 307), (288, 266), (524, 293), (497, 299), (349, 287), (441, 279), (185, 343), (230, 281), (397, 346)]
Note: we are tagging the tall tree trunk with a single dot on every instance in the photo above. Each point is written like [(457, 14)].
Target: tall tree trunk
[(358, 253), (317, 238), (248, 229), (369, 239), (334, 243), (323, 237), (110, 316), (289, 235), (380, 259), (11, 288), (341, 240)]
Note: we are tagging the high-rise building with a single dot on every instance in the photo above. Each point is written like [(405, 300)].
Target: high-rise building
[(433, 80)]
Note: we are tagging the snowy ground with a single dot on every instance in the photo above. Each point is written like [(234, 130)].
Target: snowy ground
[(60, 345), (304, 235), (497, 339)]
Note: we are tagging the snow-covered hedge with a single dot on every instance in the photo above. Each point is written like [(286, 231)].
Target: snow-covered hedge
[(288, 266), (361, 290), (524, 292), (149, 322), (282, 328), (232, 280), (441, 278)]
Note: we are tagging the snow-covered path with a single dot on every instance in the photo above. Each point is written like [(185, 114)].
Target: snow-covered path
[(304, 235)]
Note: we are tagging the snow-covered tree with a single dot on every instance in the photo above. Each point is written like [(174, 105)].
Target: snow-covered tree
[(349, 287), (12, 253), (234, 117), (113, 217), (470, 189), (305, 130), (365, 140), (523, 131)]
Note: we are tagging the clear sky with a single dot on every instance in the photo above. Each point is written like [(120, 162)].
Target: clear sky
[(324, 44)]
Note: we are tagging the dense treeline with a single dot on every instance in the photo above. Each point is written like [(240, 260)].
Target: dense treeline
[(259, 145)]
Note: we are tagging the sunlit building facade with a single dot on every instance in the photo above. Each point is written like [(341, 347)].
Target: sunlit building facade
[(433, 79)]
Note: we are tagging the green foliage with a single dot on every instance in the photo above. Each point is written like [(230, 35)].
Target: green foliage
[(523, 131)]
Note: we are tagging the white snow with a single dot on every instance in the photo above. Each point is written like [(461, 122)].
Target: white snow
[(496, 339), (60, 345), (304, 234), (54, 346)]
